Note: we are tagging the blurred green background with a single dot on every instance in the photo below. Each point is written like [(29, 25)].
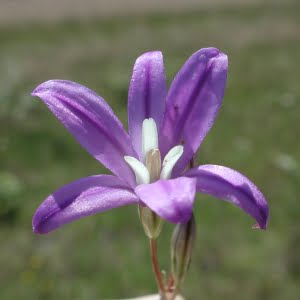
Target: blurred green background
[(257, 132)]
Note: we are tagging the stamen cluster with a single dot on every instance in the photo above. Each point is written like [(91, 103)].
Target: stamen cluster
[(150, 168)]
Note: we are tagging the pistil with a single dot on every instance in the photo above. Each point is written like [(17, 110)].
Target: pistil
[(153, 164), (151, 222)]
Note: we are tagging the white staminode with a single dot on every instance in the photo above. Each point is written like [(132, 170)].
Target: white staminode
[(149, 137), (141, 172), (170, 160), (150, 142)]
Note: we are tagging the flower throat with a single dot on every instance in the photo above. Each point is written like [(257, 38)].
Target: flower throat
[(150, 168)]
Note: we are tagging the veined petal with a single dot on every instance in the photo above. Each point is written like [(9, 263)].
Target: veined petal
[(232, 186), (91, 121), (193, 102), (172, 199), (147, 94), (81, 198)]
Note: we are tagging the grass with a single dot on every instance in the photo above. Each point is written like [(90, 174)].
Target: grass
[(257, 132)]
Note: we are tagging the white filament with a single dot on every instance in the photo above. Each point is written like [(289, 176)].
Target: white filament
[(141, 172), (170, 160), (149, 137)]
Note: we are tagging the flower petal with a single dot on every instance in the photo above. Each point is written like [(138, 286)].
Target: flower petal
[(147, 93), (81, 198), (172, 199), (193, 102), (232, 186), (91, 121)]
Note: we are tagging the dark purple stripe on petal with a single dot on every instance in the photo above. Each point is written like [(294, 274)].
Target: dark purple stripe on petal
[(232, 186), (193, 101), (81, 198), (85, 114), (91, 121), (172, 199), (147, 93)]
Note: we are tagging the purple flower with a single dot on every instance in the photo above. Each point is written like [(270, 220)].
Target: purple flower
[(169, 125)]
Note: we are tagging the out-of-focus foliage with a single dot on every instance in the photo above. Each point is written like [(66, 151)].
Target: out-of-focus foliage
[(257, 132)]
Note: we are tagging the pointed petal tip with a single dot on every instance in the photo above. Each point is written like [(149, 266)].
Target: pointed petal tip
[(257, 226), (149, 57), (263, 224), (81, 198), (230, 185), (214, 54), (209, 51), (42, 87), (35, 92), (41, 230), (37, 223), (36, 231)]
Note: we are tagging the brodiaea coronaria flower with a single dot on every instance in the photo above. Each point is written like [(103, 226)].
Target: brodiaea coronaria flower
[(150, 163)]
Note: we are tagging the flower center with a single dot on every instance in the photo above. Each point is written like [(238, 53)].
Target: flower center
[(150, 168)]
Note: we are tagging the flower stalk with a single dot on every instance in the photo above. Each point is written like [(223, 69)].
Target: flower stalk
[(156, 268)]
